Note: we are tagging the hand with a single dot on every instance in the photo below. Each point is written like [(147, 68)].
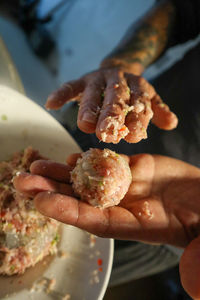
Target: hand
[(115, 105), (161, 206)]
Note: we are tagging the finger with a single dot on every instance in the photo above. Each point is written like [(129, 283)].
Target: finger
[(71, 211), (142, 166), (51, 169), (163, 117), (72, 159), (114, 222), (138, 118), (90, 103), (67, 92), (33, 184), (142, 169), (190, 269), (110, 125)]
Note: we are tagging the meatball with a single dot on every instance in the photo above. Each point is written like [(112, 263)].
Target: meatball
[(26, 236), (101, 177)]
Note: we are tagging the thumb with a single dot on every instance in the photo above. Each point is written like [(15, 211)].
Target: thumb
[(190, 269)]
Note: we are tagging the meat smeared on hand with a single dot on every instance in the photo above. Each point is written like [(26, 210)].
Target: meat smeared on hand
[(115, 105)]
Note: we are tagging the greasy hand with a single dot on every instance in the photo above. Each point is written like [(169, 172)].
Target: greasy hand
[(161, 206), (115, 105)]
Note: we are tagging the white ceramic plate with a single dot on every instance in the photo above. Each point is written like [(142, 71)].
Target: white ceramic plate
[(24, 123)]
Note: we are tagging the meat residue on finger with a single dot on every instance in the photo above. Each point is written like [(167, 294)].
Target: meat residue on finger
[(114, 127)]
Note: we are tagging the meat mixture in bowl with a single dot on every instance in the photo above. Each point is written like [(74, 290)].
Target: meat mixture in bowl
[(26, 236)]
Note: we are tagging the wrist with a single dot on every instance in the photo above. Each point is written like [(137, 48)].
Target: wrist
[(136, 67)]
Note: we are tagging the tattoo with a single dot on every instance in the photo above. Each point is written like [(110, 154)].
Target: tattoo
[(150, 39)]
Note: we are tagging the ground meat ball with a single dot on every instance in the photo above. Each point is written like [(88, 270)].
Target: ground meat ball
[(101, 177), (26, 236)]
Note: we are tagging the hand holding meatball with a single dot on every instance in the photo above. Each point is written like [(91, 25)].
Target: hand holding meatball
[(162, 205)]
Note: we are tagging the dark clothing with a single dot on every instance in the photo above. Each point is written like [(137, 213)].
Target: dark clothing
[(188, 20)]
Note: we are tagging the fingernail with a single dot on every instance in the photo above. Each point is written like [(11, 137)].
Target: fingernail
[(89, 117)]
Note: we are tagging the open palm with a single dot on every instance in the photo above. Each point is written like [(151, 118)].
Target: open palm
[(161, 206)]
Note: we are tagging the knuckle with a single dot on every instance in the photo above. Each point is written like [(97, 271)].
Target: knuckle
[(142, 81)]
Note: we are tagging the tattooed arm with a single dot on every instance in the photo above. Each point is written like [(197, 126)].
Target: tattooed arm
[(145, 41), (116, 103)]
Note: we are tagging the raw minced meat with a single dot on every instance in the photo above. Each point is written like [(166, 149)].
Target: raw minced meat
[(26, 236), (101, 177)]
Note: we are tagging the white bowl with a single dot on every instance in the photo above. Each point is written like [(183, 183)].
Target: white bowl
[(24, 123)]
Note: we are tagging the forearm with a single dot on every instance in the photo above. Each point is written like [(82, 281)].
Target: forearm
[(146, 41)]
